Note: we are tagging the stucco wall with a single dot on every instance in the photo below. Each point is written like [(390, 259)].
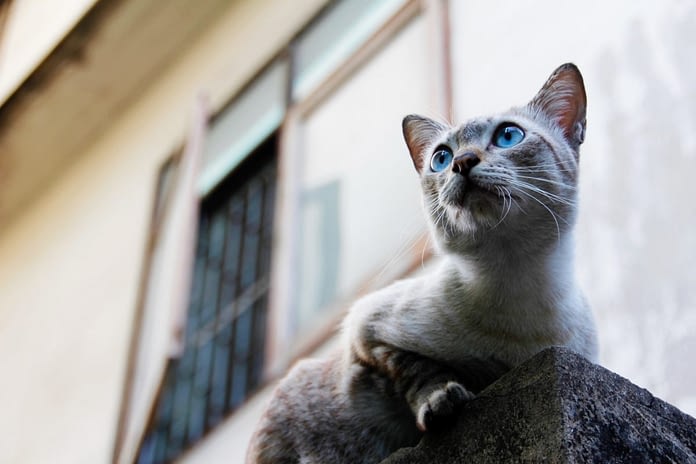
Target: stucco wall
[(69, 266), (636, 251)]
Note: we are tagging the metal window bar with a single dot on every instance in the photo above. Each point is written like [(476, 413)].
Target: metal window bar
[(222, 361)]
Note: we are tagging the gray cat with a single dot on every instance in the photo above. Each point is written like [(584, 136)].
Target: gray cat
[(500, 195)]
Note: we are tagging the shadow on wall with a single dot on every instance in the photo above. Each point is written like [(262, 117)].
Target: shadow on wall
[(638, 199)]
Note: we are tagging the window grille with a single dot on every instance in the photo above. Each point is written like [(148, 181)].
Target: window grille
[(223, 358)]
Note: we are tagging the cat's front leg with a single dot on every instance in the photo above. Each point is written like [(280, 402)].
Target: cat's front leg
[(431, 389), (382, 339)]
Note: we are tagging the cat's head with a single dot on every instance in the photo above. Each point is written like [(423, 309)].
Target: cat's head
[(512, 176)]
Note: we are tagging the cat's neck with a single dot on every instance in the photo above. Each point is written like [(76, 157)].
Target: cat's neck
[(511, 272)]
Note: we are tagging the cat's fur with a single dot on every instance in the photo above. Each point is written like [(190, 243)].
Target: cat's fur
[(413, 352)]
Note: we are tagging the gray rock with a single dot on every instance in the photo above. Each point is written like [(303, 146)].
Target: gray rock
[(560, 408)]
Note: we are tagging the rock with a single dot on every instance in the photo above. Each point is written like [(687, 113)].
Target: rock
[(560, 408)]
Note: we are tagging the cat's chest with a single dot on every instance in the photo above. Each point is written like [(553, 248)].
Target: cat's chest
[(461, 328)]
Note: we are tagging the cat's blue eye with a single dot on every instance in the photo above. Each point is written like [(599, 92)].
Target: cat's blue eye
[(507, 135), (441, 159)]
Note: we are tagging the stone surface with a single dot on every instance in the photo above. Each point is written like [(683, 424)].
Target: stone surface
[(560, 408)]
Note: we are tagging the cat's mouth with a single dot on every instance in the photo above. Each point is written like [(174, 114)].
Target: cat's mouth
[(475, 201), (475, 188), (462, 192)]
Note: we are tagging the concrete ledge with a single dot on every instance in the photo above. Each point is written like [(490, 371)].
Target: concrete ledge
[(560, 408)]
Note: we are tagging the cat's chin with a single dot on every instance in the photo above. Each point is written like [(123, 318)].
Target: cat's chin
[(475, 207), (476, 216)]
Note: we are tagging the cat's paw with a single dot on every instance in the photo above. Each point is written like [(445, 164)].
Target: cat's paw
[(441, 405)]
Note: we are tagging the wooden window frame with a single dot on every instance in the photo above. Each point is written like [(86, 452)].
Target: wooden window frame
[(133, 422)]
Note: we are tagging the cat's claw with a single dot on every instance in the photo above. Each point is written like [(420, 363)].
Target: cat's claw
[(441, 405)]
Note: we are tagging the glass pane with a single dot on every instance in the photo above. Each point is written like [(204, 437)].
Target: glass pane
[(244, 125), (361, 205), (201, 384), (334, 37), (218, 387)]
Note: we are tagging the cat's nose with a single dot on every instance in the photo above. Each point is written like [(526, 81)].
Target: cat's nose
[(463, 163)]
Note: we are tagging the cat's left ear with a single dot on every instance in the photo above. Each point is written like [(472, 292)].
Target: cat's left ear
[(419, 133), (563, 99)]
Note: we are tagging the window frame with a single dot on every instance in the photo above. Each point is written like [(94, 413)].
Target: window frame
[(132, 423)]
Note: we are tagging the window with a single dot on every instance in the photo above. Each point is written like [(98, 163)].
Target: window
[(223, 356)]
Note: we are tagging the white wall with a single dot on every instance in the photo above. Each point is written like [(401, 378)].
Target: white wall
[(70, 265), (636, 243)]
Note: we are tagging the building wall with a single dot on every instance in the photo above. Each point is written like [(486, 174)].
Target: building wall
[(636, 250), (70, 265)]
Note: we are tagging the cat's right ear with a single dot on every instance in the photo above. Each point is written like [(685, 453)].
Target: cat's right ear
[(419, 133), (563, 99)]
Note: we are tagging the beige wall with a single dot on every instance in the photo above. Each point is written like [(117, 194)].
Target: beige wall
[(69, 266), (636, 240)]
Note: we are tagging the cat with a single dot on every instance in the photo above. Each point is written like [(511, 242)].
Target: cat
[(500, 195)]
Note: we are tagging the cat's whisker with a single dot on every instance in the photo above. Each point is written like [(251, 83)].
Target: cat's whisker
[(446, 225), (553, 215), (548, 181), (502, 212), (507, 204), (517, 205), (438, 214), (509, 195), (406, 247), (536, 172), (545, 193), (554, 166), (545, 167), (551, 168), (550, 163)]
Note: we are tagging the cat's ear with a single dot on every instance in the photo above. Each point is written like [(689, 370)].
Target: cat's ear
[(419, 133), (563, 99)]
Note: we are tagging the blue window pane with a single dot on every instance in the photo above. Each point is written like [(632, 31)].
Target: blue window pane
[(219, 379), (239, 381)]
